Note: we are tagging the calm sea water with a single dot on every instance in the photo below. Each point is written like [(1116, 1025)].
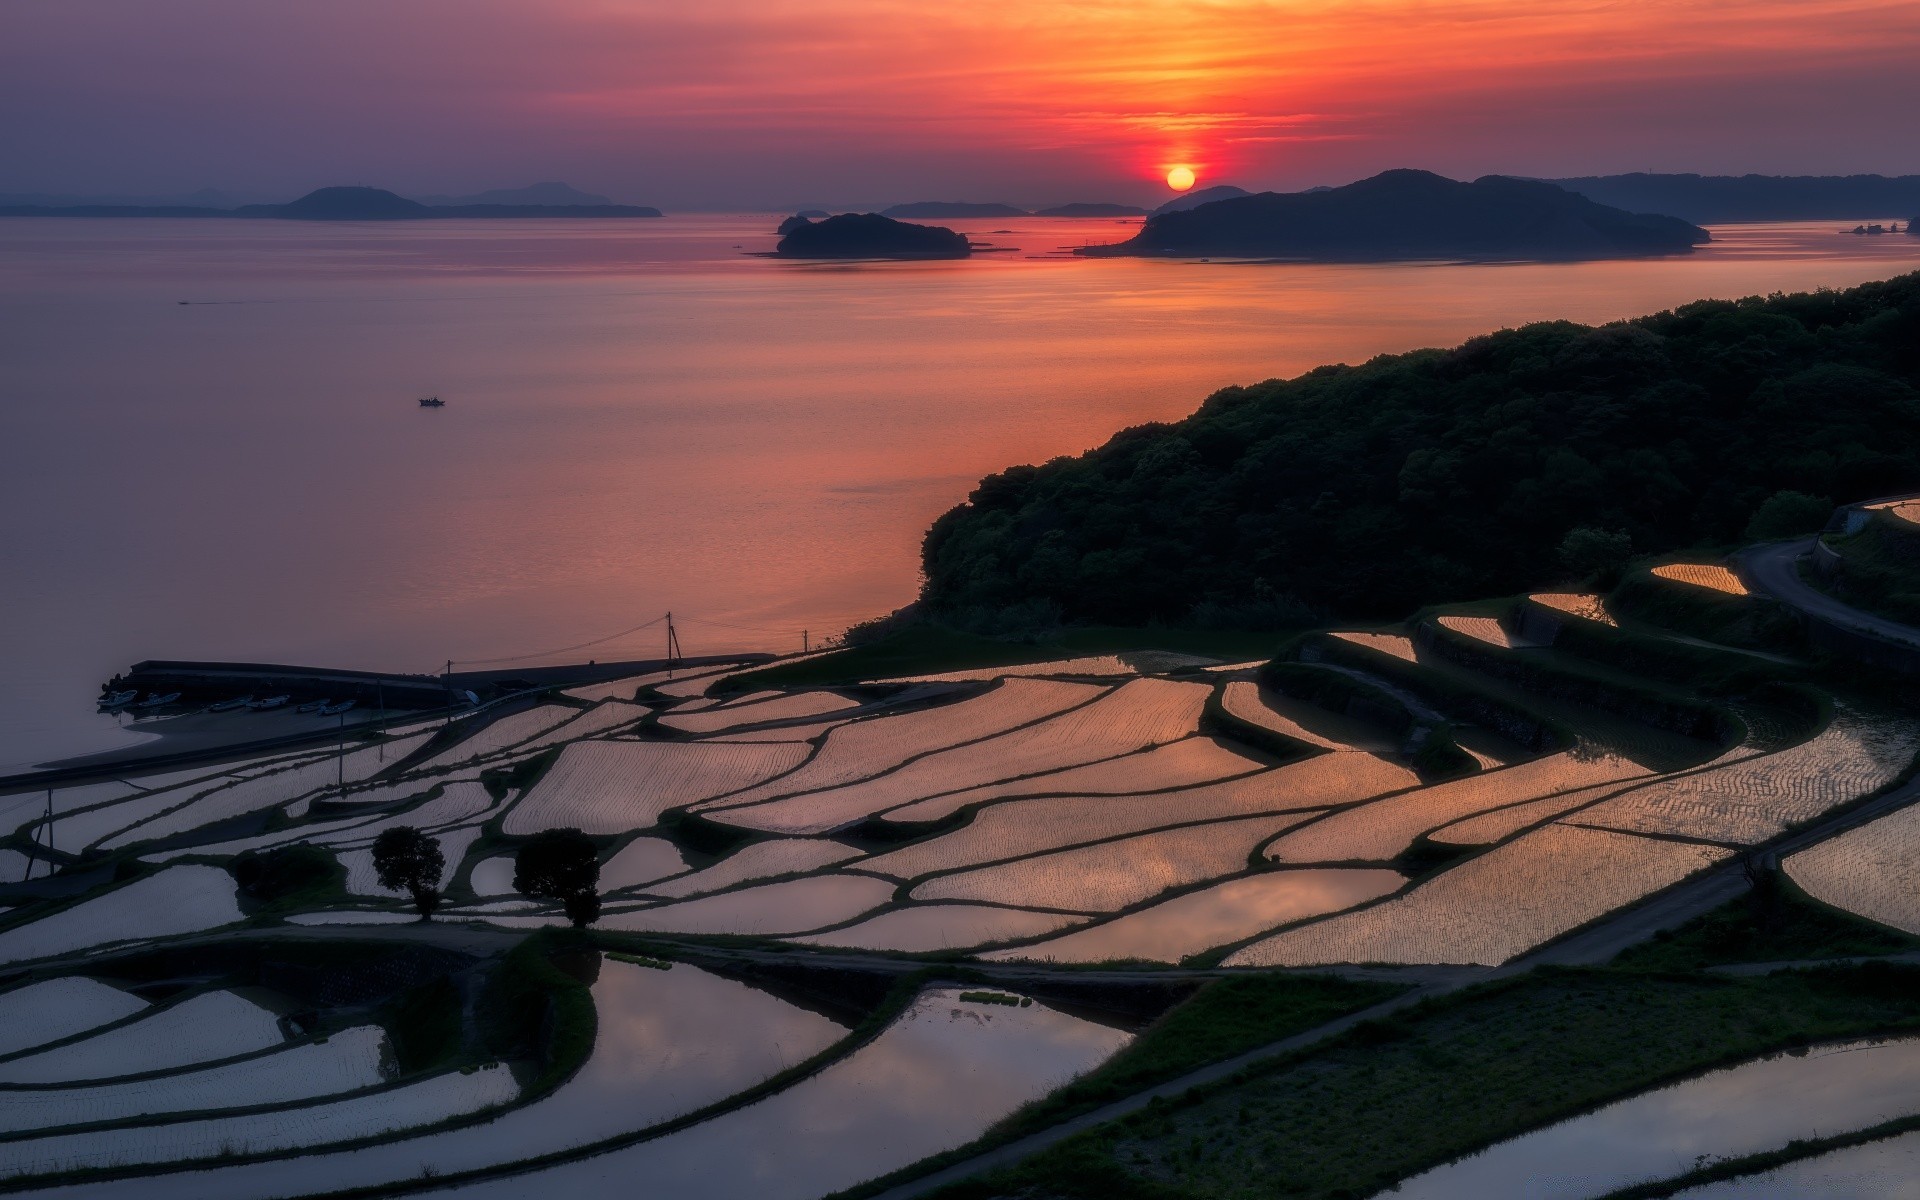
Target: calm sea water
[(641, 416)]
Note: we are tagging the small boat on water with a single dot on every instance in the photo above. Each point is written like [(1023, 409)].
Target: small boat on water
[(432, 402), (334, 710), (157, 699), (313, 706), (230, 705), (269, 702), (120, 699)]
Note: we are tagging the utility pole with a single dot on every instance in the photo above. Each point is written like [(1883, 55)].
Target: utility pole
[(673, 643), (446, 681), (380, 704), (805, 643), (34, 846), (342, 779)]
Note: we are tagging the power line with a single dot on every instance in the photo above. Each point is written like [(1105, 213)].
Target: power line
[(482, 662), (741, 628)]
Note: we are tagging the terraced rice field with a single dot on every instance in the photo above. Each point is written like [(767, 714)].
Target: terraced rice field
[(1244, 699), (1480, 629), (601, 718), (923, 928), (368, 1114), (363, 881), (1221, 915), (1141, 713), (1711, 576), (1494, 907), (346, 1061), (34, 1014), (773, 909), (1380, 831), (1873, 870), (642, 860), (917, 1089), (1111, 875), (1755, 1107), (1883, 1170), (1022, 827), (1186, 763), (614, 787), (1090, 666), (501, 734), (182, 899), (1584, 605), (758, 860), (768, 707), (863, 749), (1501, 823), (199, 1029), (1398, 645), (1755, 798)]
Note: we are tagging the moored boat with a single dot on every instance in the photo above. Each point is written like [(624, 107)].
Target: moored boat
[(313, 706), (119, 699), (432, 402), (158, 699), (330, 710), (230, 705), (269, 702)]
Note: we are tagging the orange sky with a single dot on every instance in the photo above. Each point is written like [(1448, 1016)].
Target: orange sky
[(869, 101)]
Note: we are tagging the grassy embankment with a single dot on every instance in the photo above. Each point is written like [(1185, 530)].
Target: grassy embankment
[(1394, 1097)]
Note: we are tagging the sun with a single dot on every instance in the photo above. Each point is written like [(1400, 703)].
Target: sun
[(1180, 178)]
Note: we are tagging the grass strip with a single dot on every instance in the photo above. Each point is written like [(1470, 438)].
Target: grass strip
[(1225, 1018), (1774, 922), (1394, 1097)]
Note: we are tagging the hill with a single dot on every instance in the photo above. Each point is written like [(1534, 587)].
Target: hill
[(1091, 210), (867, 235), (1199, 196), (1442, 474), (339, 204), (1411, 215), (950, 210), (1732, 198)]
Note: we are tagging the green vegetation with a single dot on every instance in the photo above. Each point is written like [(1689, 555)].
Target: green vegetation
[(532, 1009), (407, 860), (290, 879), (1225, 1018), (1743, 621), (426, 1024), (1421, 478), (1881, 568), (563, 865), (996, 998), (1396, 1096), (1774, 922)]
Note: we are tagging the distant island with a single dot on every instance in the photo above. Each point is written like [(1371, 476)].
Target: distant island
[(1199, 196), (1091, 210), (1419, 478), (948, 210), (1402, 215), (868, 235), (546, 195), (338, 204), (1724, 199)]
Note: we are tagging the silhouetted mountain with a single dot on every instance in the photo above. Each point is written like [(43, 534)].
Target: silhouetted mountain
[(813, 214), (342, 204), (868, 235), (545, 195), (338, 204), (952, 209), (794, 222), (1091, 210), (1412, 215), (1730, 198), (1205, 195)]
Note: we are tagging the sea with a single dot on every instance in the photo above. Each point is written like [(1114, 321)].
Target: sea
[(211, 446)]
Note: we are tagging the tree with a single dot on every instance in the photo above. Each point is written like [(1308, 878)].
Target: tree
[(1589, 552), (563, 865), (407, 860), (1788, 514)]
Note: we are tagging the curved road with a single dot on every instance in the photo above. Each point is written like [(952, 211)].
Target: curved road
[(1774, 569)]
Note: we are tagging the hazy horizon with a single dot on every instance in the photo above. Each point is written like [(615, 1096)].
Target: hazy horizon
[(747, 105)]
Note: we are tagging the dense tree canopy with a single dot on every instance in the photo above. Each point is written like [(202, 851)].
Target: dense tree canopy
[(563, 865), (407, 860), (1446, 474)]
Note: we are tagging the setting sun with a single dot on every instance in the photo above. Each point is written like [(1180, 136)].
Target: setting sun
[(1180, 178)]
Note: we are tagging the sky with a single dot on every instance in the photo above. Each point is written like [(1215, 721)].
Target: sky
[(775, 104)]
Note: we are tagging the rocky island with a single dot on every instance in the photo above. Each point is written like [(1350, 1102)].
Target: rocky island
[(1400, 215), (867, 235)]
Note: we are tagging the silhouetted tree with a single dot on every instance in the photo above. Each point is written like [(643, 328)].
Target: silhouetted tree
[(563, 865), (1789, 514), (407, 860), (1589, 552)]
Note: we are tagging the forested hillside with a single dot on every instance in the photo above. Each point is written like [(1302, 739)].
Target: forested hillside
[(1445, 474)]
